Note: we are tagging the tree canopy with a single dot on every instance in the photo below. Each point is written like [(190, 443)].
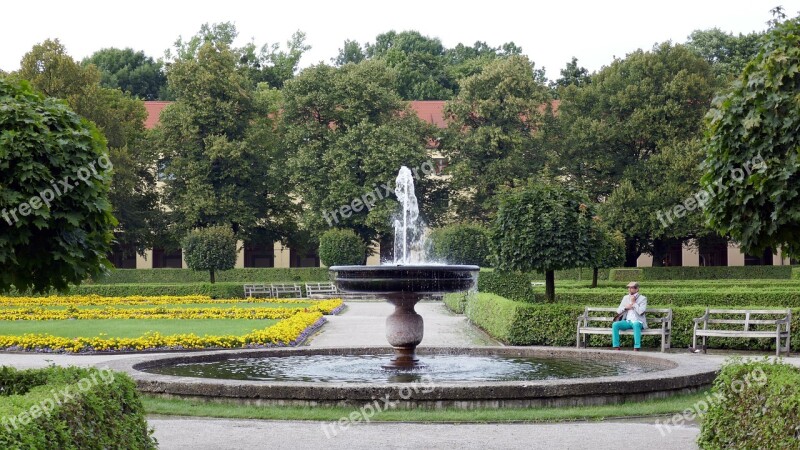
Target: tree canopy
[(130, 71), (56, 225), (753, 147)]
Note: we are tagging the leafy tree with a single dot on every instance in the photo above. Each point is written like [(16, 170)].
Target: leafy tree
[(726, 53), (606, 248), (628, 111), (56, 228), (350, 53), (491, 141), (571, 75), (211, 249), (350, 133), (461, 244), (752, 149), (658, 203), (121, 120), (130, 71), (543, 226), (221, 161), (419, 62), (339, 247)]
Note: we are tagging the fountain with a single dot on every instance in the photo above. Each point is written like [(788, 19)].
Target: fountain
[(454, 377), (404, 282)]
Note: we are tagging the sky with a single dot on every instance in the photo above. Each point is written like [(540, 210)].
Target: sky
[(550, 33)]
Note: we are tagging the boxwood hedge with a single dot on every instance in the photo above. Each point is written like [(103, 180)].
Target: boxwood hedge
[(71, 408)]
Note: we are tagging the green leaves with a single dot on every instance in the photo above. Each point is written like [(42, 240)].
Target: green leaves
[(757, 120), (211, 249), (339, 247), (66, 241)]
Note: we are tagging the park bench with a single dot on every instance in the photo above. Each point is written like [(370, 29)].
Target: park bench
[(257, 290), (745, 323), (596, 320), (321, 290), (286, 290)]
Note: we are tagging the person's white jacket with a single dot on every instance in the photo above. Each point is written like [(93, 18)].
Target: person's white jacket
[(635, 314)]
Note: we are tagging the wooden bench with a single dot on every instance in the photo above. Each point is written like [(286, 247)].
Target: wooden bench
[(257, 290), (751, 323), (659, 323), (321, 290), (287, 290)]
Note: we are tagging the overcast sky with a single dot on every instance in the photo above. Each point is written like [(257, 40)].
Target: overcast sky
[(550, 33)]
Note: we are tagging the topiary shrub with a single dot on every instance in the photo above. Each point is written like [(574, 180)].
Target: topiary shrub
[(211, 249), (461, 244), (753, 404), (56, 225), (338, 247)]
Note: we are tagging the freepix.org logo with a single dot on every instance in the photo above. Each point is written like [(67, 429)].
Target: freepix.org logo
[(58, 188)]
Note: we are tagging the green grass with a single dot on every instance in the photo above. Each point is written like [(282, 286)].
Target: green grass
[(672, 405), (242, 305), (128, 328)]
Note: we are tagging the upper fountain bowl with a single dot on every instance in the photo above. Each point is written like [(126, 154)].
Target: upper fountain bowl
[(404, 279)]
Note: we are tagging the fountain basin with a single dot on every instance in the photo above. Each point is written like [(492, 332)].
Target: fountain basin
[(405, 279), (675, 374)]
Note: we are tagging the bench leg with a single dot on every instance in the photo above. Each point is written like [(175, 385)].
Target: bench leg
[(694, 340), (778, 345), (578, 340), (705, 348)]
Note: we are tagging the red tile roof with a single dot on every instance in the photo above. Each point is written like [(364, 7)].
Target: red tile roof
[(153, 113), (427, 110)]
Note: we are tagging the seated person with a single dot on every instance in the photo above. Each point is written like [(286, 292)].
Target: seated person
[(634, 306)]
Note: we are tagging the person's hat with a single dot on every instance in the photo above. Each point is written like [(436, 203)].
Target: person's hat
[(633, 284)]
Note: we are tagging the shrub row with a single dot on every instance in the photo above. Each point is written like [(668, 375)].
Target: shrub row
[(247, 275), (577, 274), (702, 273), (712, 299), (216, 290), (511, 285), (519, 323), (104, 410), (753, 405)]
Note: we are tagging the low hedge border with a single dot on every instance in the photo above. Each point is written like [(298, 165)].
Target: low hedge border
[(519, 323), (511, 285), (702, 273), (753, 404), (71, 408), (244, 276)]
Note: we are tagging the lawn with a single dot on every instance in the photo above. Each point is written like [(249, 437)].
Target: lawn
[(126, 328)]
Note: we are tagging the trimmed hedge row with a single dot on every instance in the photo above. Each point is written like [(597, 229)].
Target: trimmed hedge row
[(753, 405), (216, 290), (519, 323), (71, 408), (577, 274), (702, 273), (512, 285), (711, 299), (246, 275)]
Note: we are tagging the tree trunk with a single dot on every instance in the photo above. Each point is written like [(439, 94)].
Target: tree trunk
[(550, 285), (659, 252), (212, 276), (594, 276), (631, 254)]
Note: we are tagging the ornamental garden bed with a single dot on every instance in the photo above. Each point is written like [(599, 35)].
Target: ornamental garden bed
[(87, 324)]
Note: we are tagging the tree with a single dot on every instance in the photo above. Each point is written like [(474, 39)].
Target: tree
[(606, 248), (727, 54), (751, 144), (628, 111), (491, 142), (658, 203), (121, 120), (349, 133), (57, 222), (211, 249), (339, 247), (131, 72), (221, 161), (543, 226), (461, 244), (351, 52), (571, 75)]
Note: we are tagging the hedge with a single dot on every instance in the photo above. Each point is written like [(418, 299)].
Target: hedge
[(511, 285), (753, 404), (577, 274), (247, 275), (216, 290), (71, 408), (702, 273), (519, 323)]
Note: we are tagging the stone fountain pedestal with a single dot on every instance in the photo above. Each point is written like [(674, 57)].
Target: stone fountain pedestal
[(403, 286), (404, 331)]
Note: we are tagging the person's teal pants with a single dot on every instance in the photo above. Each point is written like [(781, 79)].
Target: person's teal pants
[(626, 325)]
